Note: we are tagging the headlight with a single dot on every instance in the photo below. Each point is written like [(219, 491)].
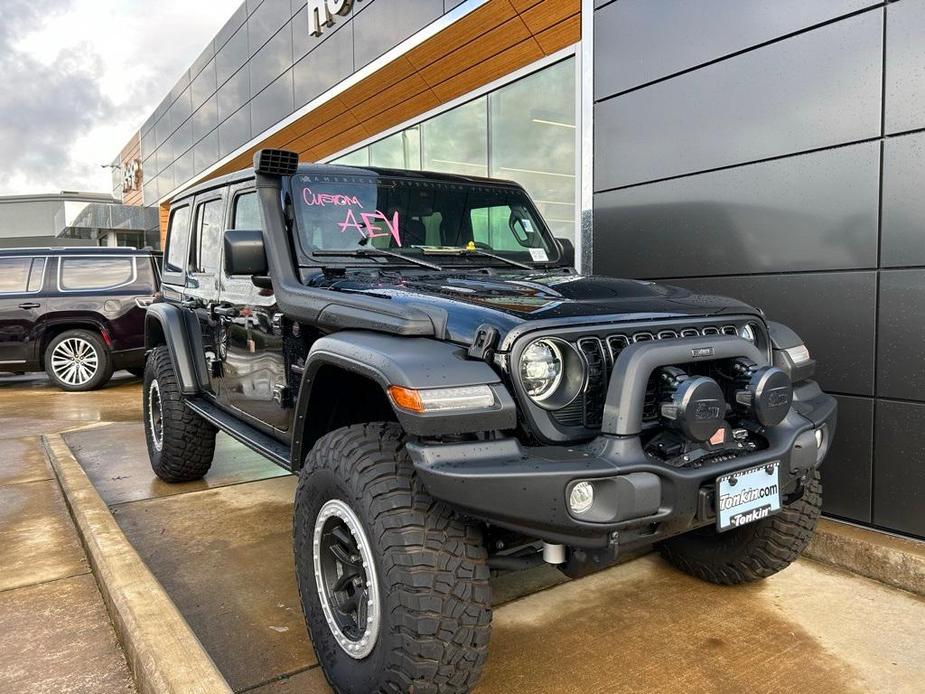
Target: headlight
[(747, 332), (552, 372), (541, 369)]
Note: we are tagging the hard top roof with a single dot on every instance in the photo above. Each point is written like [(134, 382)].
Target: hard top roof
[(337, 169)]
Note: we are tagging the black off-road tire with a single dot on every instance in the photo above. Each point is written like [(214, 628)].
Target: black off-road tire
[(431, 568), (752, 552), (187, 441), (101, 364)]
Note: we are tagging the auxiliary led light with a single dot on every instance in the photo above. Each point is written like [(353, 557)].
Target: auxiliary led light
[(581, 498)]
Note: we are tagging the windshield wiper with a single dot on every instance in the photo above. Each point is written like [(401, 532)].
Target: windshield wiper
[(374, 253), (477, 251)]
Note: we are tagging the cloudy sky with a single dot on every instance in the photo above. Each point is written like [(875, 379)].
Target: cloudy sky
[(80, 76)]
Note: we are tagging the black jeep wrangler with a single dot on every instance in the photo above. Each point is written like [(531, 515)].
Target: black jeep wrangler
[(456, 399)]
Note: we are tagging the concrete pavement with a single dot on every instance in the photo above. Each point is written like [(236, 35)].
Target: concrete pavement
[(221, 549), (55, 635)]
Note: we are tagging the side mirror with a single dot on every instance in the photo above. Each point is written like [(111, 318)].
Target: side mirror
[(244, 252), (567, 251)]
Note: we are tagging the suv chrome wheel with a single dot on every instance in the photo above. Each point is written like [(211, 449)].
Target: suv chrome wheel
[(75, 361), (346, 578), (156, 415)]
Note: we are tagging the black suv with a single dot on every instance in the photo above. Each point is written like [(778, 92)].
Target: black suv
[(76, 313), (456, 400)]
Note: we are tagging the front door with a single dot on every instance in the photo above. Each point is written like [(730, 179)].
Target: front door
[(21, 300), (255, 379), (201, 290)]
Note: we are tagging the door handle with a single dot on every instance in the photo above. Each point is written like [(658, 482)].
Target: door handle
[(225, 310), (30, 305)]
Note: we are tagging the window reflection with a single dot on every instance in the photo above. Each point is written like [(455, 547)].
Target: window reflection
[(457, 141), (95, 273), (399, 151), (358, 158), (524, 131), (533, 141), (14, 274)]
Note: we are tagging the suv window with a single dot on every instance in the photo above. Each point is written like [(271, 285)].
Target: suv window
[(14, 275), (208, 237), (177, 240), (37, 276), (95, 273), (246, 212)]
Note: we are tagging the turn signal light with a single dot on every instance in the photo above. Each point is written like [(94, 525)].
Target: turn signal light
[(442, 399)]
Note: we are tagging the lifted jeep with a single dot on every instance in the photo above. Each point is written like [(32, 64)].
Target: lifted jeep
[(456, 399)]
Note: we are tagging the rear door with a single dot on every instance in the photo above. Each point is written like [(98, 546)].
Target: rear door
[(255, 380), (21, 301)]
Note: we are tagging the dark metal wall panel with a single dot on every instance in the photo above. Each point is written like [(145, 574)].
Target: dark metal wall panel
[(905, 66), (325, 66), (832, 311), (904, 201), (234, 93), (232, 56), (899, 473), (272, 104), (745, 108), (811, 212), (265, 22), (901, 336), (729, 131), (847, 470), (234, 131), (638, 41), (271, 60), (383, 24)]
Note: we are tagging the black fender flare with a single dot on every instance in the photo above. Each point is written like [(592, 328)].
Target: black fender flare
[(178, 329), (412, 362), (783, 338)]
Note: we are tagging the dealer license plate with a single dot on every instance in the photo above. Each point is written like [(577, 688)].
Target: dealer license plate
[(746, 496)]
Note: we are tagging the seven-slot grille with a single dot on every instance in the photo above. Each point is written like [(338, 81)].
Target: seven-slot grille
[(587, 409)]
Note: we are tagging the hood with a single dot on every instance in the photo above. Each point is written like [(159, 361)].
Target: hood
[(509, 299)]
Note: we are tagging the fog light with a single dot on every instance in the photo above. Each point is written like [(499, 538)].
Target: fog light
[(819, 438), (581, 497)]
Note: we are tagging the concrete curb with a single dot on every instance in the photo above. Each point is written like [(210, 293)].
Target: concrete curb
[(163, 652), (893, 560)]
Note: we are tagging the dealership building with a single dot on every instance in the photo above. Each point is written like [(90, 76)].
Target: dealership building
[(772, 151)]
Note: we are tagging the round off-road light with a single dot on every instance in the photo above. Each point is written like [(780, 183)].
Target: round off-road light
[(819, 438), (581, 498)]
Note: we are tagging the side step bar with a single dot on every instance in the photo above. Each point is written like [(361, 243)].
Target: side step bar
[(256, 440)]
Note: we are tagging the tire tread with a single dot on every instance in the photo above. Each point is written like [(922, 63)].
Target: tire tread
[(435, 579), (763, 548)]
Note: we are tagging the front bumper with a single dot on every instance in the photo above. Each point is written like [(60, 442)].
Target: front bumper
[(641, 499)]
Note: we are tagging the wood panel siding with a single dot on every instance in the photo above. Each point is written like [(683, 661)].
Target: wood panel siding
[(163, 214), (129, 153)]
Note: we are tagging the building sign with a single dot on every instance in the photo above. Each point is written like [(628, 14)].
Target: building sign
[(131, 175), (321, 13)]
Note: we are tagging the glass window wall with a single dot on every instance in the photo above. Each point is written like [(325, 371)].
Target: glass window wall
[(524, 131)]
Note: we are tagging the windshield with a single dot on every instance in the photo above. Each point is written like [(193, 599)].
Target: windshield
[(417, 217)]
